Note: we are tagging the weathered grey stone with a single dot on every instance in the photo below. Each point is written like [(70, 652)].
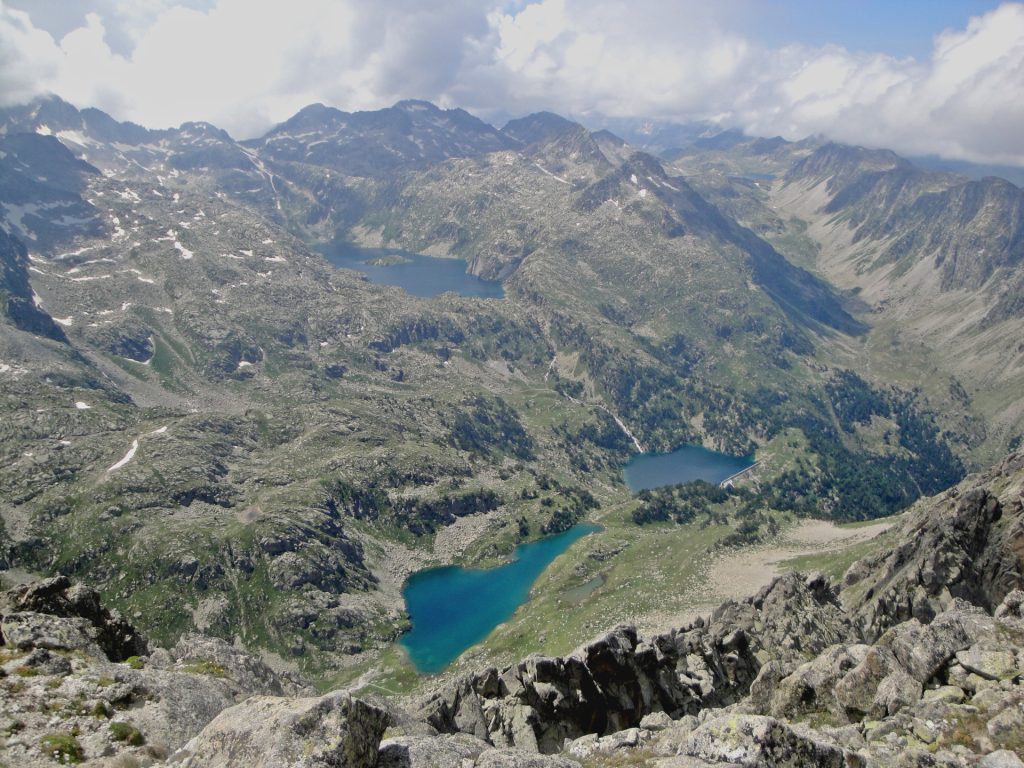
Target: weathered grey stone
[(1002, 758), (249, 672), (922, 650), (988, 663), (444, 751), (810, 687), (897, 691), (55, 633), (857, 692), (513, 758), (946, 694), (58, 598), (954, 546), (1012, 605), (271, 732), (656, 721), (753, 740)]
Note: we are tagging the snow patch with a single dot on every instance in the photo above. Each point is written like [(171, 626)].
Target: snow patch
[(82, 406), (139, 276), (159, 431), (643, 193), (632, 177), (268, 241), (245, 253), (67, 322), (278, 259), (127, 457), (549, 173), (185, 252)]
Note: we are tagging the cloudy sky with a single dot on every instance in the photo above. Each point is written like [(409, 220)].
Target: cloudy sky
[(939, 77)]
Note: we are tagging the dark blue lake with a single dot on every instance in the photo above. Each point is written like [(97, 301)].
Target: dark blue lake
[(417, 274), (453, 608), (691, 462)]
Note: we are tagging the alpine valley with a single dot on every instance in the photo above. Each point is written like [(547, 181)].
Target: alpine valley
[(222, 456)]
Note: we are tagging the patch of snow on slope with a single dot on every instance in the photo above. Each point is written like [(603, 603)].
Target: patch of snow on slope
[(549, 173), (127, 457)]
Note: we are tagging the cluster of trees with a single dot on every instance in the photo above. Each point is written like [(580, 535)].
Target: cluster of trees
[(597, 443), (679, 503), (420, 516), (488, 426)]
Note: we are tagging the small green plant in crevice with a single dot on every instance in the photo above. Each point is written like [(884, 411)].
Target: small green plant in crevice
[(135, 662), (13, 727), (62, 747), (127, 733), (206, 667)]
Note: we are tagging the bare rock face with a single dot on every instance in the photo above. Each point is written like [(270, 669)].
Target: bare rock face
[(751, 740), (613, 682), (247, 671), (967, 543), (272, 732), (430, 751), (54, 614), (64, 672)]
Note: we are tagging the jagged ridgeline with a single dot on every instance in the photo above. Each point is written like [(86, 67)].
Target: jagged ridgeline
[(201, 413)]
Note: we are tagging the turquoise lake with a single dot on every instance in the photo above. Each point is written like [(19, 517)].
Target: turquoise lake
[(415, 273), (690, 462), (453, 608)]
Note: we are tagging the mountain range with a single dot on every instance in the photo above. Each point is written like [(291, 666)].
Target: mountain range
[(201, 412)]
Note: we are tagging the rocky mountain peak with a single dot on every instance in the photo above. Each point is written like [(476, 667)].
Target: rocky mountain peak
[(840, 163), (539, 127)]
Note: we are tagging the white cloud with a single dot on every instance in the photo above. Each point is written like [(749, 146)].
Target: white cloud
[(27, 57), (245, 65)]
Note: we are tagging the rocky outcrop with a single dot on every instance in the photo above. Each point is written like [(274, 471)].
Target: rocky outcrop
[(72, 670), (54, 614), (16, 296), (613, 682), (267, 732), (967, 543)]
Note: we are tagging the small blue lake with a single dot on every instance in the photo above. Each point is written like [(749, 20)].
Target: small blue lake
[(417, 274), (453, 608), (690, 462)]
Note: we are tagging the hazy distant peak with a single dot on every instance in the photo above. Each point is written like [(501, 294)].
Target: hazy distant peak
[(539, 126)]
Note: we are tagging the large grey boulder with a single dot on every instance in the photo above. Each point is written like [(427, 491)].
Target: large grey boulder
[(82, 611), (513, 758), (763, 742), (331, 731), (445, 751), (250, 673), (39, 630)]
